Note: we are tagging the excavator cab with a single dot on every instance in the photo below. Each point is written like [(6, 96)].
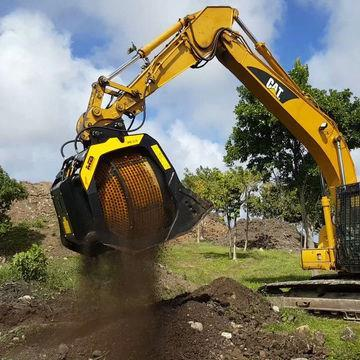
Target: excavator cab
[(122, 193)]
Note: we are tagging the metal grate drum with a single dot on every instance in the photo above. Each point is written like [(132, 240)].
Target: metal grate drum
[(133, 199), (348, 227)]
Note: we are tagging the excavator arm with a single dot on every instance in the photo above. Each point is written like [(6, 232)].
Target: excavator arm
[(190, 43)]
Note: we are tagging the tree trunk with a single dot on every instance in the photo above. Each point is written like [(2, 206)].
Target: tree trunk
[(234, 257), (247, 221), (228, 221), (234, 237)]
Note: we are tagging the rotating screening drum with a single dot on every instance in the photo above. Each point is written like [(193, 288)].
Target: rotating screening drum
[(122, 194), (135, 203)]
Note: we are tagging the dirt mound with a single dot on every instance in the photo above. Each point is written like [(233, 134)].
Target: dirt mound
[(268, 234), (38, 212), (239, 303), (213, 228), (263, 233), (38, 205), (222, 320)]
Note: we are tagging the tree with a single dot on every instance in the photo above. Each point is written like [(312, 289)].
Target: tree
[(10, 190), (259, 139), (276, 201), (223, 189), (228, 191), (202, 182), (250, 180)]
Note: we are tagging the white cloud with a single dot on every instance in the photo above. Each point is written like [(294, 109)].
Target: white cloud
[(337, 65), (184, 149), (43, 91), (50, 86)]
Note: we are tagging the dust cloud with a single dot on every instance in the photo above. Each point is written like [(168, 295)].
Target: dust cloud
[(119, 290)]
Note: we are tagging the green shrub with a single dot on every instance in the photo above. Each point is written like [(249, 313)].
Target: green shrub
[(31, 264), (10, 190)]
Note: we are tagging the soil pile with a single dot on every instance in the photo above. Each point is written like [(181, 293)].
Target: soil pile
[(222, 320), (263, 233), (212, 228), (38, 205), (268, 234), (38, 212)]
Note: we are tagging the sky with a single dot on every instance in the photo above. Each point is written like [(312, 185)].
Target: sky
[(51, 52)]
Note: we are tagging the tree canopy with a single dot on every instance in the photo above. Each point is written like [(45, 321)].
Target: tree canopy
[(259, 139)]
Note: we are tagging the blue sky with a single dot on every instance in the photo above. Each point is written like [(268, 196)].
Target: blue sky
[(301, 34), (52, 52)]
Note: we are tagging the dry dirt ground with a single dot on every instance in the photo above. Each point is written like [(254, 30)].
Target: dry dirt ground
[(117, 312), (223, 320)]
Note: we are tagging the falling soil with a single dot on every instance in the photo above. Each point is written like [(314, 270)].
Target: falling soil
[(118, 315)]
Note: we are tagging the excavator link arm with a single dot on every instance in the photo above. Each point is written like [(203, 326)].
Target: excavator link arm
[(197, 39), (194, 38)]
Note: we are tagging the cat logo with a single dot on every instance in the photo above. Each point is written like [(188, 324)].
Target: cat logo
[(279, 90), (89, 162), (274, 87)]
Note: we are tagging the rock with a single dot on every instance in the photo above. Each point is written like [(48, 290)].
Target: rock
[(348, 334), (262, 354), (15, 339), (235, 325), (96, 354), (320, 338), (303, 329), (196, 325), (226, 335), (25, 298), (63, 350), (299, 359), (291, 318), (275, 308)]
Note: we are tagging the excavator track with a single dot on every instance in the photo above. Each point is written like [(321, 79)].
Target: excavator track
[(331, 295)]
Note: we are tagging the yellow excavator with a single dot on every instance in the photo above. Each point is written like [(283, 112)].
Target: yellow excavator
[(120, 190)]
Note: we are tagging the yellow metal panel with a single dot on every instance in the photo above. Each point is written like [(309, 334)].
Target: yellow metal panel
[(96, 151), (204, 28), (160, 155), (66, 226), (317, 259)]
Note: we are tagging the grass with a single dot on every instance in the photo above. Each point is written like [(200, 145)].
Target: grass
[(63, 275), (332, 328), (202, 263)]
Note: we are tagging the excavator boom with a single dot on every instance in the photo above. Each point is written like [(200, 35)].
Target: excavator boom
[(127, 184)]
